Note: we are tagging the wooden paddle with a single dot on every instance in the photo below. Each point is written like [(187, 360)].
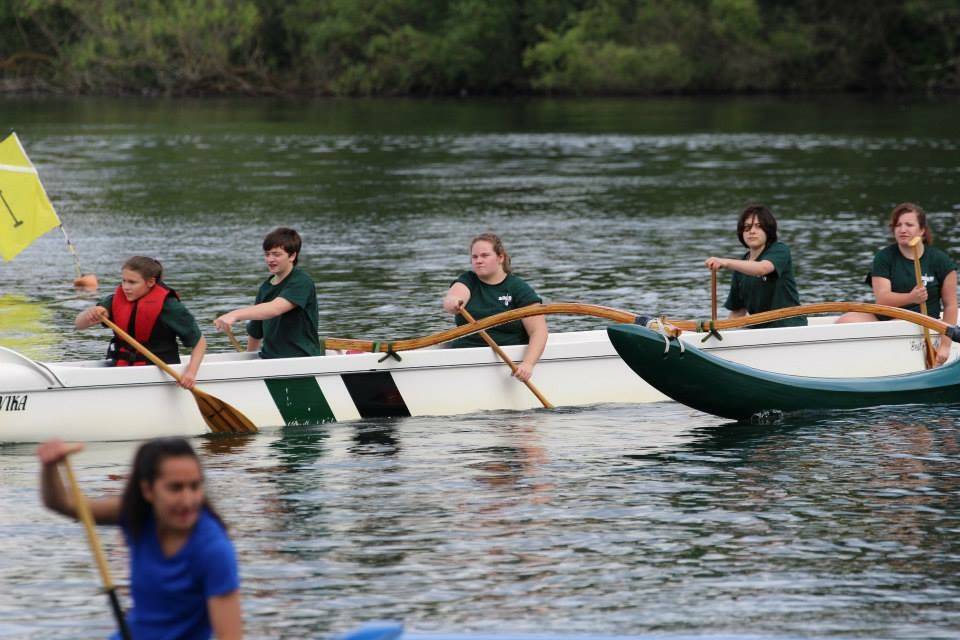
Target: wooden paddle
[(84, 515), (233, 339), (503, 356), (713, 295), (619, 315), (929, 353), (219, 416)]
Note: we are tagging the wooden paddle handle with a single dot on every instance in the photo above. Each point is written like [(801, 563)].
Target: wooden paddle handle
[(233, 339), (503, 356), (149, 355), (713, 295), (915, 243), (86, 517), (929, 357)]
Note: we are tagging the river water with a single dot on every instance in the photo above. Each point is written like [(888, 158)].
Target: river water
[(615, 519)]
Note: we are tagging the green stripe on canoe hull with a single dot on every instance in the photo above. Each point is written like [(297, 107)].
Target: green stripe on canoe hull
[(300, 401), (711, 384)]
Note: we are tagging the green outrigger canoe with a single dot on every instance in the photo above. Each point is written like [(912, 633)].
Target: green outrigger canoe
[(713, 385)]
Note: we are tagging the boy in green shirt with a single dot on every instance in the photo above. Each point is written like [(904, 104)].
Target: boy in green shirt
[(282, 322)]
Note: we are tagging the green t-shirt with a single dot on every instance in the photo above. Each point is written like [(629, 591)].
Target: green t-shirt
[(174, 322), (294, 333), (935, 266), (776, 290), (490, 299)]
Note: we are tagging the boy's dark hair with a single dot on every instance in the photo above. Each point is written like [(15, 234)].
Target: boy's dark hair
[(285, 238), (767, 222), (134, 508), (146, 267)]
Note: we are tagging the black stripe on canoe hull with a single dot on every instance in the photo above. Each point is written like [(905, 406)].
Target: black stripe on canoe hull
[(375, 394)]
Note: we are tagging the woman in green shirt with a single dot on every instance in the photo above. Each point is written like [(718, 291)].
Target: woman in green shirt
[(763, 277), (490, 288), (894, 278)]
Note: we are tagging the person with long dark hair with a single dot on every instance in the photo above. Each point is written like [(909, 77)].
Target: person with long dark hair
[(183, 569), (489, 288), (763, 277)]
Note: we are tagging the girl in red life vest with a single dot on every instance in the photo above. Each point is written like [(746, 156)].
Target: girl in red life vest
[(151, 312)]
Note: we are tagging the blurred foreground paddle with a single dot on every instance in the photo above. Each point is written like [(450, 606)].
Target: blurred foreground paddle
[(84, 515), (929, 354), (503, 356), (219, 416)]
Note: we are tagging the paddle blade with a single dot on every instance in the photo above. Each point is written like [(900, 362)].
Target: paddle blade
[(222, 417)]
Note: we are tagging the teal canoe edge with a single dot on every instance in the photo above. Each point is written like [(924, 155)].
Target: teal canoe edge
[(300, 401), (713, 385)]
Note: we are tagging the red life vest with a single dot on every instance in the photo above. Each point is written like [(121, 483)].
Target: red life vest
[(143, 314)]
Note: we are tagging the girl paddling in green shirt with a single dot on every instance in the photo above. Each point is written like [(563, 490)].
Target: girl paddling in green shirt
[(763, 278), (490, 288), (894, 279)]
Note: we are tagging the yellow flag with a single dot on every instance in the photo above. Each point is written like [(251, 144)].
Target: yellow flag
[(25, 210)]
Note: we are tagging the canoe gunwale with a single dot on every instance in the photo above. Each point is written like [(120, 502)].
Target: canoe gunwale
[(670, 326)]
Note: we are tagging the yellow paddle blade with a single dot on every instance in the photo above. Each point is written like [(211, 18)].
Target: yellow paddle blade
[(25, 211)]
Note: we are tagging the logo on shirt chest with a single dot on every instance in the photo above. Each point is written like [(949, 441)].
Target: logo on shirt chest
[(928, 279), (506, 300)]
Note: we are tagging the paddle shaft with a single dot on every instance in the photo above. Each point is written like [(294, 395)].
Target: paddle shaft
[(929, 357), (146, 353), (86, 517), (233, 339), (503, 356), (713, 295), (219, 416)]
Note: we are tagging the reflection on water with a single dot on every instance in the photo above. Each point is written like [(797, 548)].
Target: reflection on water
[(26, 326), (582, 520), (611, 519)]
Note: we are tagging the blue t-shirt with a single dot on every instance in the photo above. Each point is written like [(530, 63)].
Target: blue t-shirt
[(170, 594)]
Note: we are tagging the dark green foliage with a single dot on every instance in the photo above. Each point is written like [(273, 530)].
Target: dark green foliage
[(458, 47)]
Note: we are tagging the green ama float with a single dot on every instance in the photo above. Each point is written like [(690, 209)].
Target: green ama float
[(797, 377)]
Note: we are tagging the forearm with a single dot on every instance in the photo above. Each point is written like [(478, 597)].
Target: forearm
[(196, 357), (892, 299), (226, 616), (536, 327), (53, 493), (89, 317), (262, 311), (535, 349), (749, 267), (457, 296), (950, 314)]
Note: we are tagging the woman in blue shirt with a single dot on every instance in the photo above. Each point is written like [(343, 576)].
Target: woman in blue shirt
[(183, 569)]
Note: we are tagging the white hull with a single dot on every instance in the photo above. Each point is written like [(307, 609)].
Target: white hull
[(90, 401)]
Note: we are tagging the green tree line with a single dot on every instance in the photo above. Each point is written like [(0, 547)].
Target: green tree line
[(457, 47)]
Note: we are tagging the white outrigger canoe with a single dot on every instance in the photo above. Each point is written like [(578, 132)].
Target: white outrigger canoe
[(91, 401)]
